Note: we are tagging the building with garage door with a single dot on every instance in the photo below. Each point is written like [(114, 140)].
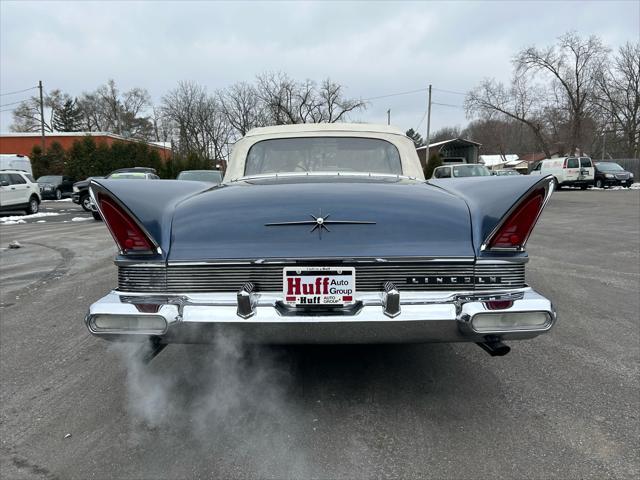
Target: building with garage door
[(456, 150)]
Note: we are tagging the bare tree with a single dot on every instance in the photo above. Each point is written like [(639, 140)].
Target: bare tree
[(200, 122), (573, 65), (242, 107), (107, 109), (26, 116), (333, 105), (445, 133), (519, 101), (286, 101), (618, 96)]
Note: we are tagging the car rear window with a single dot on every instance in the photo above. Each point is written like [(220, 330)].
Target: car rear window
[(609, 167), (470, 171), (323, 154), (585, 162), (50, 179), (127, 175)]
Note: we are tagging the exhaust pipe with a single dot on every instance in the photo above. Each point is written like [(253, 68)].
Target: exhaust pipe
[(494, 347)]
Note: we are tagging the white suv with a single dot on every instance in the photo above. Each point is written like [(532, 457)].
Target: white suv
[(19, 191)]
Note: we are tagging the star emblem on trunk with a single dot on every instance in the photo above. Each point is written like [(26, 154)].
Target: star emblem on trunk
[(319, 223)]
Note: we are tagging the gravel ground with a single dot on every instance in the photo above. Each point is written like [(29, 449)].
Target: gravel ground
[(565, 405)]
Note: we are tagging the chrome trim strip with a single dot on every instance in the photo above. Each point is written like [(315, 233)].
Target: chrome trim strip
[(283, 260), (548, 184), (323, 174)]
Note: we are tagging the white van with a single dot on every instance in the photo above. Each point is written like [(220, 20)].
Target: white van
[(13, 161), (568, 171)]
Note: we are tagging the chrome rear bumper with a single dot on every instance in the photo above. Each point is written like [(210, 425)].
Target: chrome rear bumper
[(423, 317)]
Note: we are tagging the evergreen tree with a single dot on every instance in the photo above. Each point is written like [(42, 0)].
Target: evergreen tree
[(435, 160), (68, 118), (416, 137)]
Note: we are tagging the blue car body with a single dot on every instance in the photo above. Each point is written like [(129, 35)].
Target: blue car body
[(386, 227)]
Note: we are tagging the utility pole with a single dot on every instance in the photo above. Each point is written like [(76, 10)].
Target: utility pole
[(603, 137), (426, 161), (389, 117), (41, 116)]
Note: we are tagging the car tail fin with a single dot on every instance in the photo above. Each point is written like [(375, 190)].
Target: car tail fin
[(503, 211), (125, 229), (514, 229), (138, 213)]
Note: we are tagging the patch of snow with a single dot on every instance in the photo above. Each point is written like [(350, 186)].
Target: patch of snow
[(635, 186), (41, 221), (80, 219), (13, 222), (14, 218), (63, 200)]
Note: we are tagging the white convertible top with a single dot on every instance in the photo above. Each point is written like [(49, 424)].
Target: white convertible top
[(408, 157)]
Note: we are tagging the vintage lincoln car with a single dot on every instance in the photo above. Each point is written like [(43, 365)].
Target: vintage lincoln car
[(324, 233)]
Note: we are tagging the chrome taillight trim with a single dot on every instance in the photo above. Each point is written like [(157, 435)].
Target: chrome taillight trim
[(548, 184)]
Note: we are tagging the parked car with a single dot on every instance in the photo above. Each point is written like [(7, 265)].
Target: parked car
[(15, 161), (323, 233), (567, 171), (80, 193), (55, 186), (19, 191), (81, 189), (610, 173), (212, 176), (461, 170), (136, 173), (505, 172)]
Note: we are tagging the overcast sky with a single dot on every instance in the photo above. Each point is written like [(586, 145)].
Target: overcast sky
[(373, 48)]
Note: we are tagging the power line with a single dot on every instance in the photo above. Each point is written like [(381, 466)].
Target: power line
[(421, 120), (7, 110), (447, 105), (13, 103), (17, 91), (450, 91), (394, 94)]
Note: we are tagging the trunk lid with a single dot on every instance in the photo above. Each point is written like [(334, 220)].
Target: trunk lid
[(407, 219)]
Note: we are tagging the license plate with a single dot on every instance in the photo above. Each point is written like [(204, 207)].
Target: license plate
[(319, 286)]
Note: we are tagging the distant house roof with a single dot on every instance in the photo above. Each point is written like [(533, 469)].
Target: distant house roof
[(515, 163), (492, 160), (537, 156), (454, 141)]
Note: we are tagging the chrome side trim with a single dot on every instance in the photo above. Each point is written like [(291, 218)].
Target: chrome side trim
[(548, 184)]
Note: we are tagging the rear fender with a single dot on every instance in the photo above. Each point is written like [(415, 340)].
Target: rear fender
[(150, 203), (491, 200)]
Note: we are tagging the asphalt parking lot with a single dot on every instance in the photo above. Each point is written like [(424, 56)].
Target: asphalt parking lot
[(565, 405)]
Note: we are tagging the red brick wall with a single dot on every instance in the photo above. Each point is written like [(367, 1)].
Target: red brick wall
[(24, 145)]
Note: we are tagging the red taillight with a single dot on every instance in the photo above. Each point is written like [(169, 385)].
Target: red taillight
[(124, 230), (564, 164), (498, 304), (516, 229)]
